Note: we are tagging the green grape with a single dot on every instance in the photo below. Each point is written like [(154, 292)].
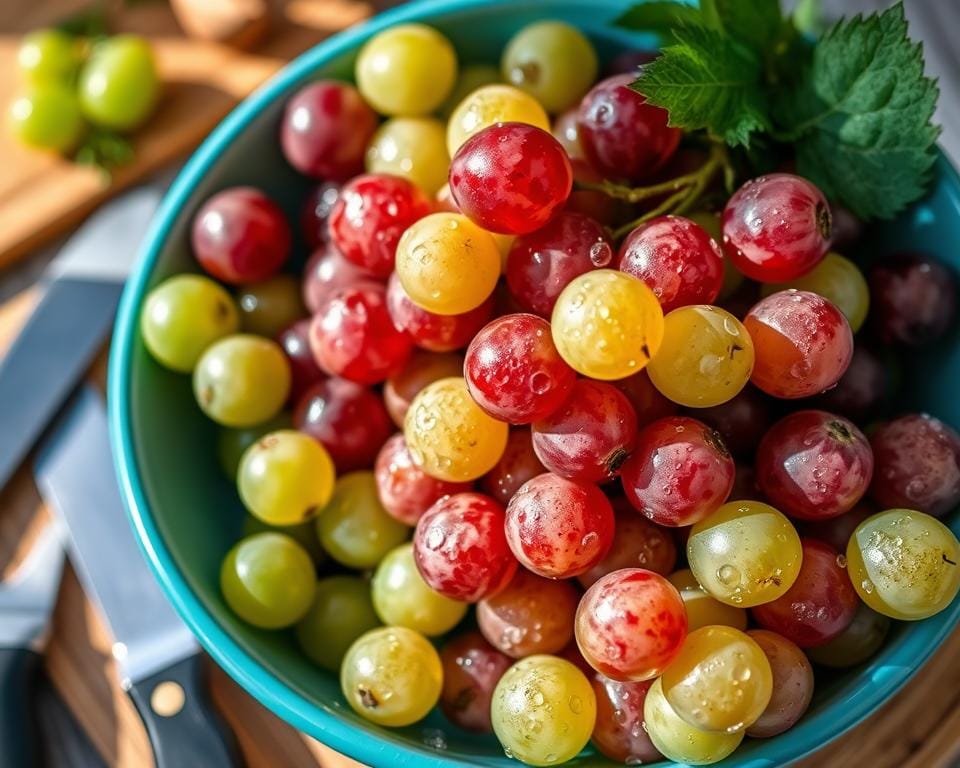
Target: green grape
[(47, 117), (305, 534), (406, 70), (242, 380), (48, 56), (392, 676), (285, 478), (543, 710), (232, 443), (472, 76), (401, 597), (837, 279), (703, 610), (732, 277), (904, 564), (341, 612), (679, 741), (448, 435), (607, 324), (414, 148), (745, 554), (492, 104), (857, 643), (354, 528), (183, 316), (268, 580), (720, 680), (705, 359), (271, 306), (551, 61), (119, 85)]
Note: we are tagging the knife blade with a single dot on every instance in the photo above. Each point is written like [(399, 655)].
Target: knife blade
[(158, 658), (69, 325), (26, 604)]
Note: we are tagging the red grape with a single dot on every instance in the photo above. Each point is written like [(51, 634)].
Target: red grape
[(348, 419), (814, 465), (637, 543), (741, 422), (405, 490), (325, 130), (460, 547), (676, 258), (372, 213), (316, 211), (619, 731), (304, 371), (510, 178), (821, 603), (240, 236), (917, 460), (802, 344), (847, 228), (326, 272), (513, 369), (530, 615), (541, 264), (863, 389), (630, 624), (792, 684), (518, 464), (647, 402), (590, 435), (471, 670), (622, 135), (422, 368), (436, 333), (566, 131), (353, 336), (559, 528), (679, 473), (914, 299), (776, 228)]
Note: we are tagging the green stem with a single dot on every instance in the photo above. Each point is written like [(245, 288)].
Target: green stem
[(638, 194), (665, 207)]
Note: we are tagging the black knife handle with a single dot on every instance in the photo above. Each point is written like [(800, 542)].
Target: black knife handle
[(183, 727), (19, 743)]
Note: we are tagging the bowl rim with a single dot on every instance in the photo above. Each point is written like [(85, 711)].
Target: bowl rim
[(809, 736)]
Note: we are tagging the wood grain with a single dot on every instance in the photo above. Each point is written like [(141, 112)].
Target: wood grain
[(42, 195)]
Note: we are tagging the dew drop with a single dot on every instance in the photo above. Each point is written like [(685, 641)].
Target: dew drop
[(842, 561), (538, 699), (728, 574), (540, 382), (576, 705), (867, 586), (601, 254)]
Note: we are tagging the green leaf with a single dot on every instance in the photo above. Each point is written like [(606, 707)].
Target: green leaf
[(862, 120), (662, 16), (756, 23), (707, 80)]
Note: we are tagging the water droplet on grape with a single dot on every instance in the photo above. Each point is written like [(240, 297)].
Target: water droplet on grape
[(436, 537), (551, 758), (601, 254), (867, 586), (538, 698), (741, 673), (728, 574), (620, 716), (842, 561), (540, 382)]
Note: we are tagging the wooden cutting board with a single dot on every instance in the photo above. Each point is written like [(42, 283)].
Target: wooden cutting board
[(42, 196)]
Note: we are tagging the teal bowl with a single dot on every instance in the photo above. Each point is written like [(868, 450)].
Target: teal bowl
[(187, 515)]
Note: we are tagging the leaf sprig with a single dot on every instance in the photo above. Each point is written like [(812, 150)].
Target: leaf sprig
[(855, 106)]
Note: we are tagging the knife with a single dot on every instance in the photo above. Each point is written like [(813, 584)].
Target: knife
[(158, 658), (69, 325), (26, 604)]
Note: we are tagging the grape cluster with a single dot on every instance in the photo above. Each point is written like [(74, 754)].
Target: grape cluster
[(640, 455)]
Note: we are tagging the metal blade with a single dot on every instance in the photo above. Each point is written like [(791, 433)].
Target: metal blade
[(67, 329), (27, 600), (75, 474)]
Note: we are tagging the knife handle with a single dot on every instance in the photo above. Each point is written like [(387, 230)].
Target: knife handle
[(19, 743), (183, 727)]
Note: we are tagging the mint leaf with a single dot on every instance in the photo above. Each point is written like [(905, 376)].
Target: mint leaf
[(661, 16), (756, 23), (707, 80), (862, 118)]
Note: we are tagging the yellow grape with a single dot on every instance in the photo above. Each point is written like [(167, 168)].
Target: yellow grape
[(904, 564), (720, 681), (412, 147), (607, 324), (447, 264), (745, 554), (679, 741), (705, 359), (449, 437), (493, 104), (472, 76), (702, 609)]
